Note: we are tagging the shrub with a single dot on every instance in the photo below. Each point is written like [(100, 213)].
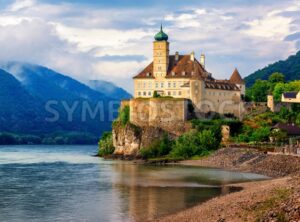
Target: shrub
[(261, 134), (124, 115), (279, 135), (155, 94), (106, 144), (157, 148), (195, 144)]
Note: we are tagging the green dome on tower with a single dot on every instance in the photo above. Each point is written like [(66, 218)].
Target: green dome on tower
[(161, 36)]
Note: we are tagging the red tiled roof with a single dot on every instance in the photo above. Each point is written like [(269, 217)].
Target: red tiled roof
[(236, 77), (183, 68), (221, 85)]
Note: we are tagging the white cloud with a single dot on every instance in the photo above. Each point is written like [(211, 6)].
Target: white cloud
[(21, 4), (12, 20), (91, 38), (272, 26), (70, 39)]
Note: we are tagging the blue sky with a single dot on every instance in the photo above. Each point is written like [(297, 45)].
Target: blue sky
[(112, 40)]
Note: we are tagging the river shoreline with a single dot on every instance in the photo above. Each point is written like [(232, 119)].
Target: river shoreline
[(249, 203)]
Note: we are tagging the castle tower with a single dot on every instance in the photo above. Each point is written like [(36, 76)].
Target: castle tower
[(237, 79), (160, 54), (202, 60)]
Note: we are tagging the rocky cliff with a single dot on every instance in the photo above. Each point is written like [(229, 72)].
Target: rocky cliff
[(129, 139)]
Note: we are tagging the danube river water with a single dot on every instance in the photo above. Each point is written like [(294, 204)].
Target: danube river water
[(65, 183)]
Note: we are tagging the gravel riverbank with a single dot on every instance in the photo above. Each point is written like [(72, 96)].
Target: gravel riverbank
[(249, 160), (277, 199)]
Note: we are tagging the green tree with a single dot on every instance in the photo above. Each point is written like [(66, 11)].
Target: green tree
[(278, 90), (124, 115), (261, 134), (285, 87), (276, 77), (194, 144), (8, 139), (158, 148), (259, 91), (155, 94), (106, 144)]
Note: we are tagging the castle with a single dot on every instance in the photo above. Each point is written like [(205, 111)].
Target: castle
[(184, 77)]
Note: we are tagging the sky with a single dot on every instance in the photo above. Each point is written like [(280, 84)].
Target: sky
[(112, 40)]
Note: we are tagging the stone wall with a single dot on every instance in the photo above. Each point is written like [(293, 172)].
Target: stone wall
[(168, 114)]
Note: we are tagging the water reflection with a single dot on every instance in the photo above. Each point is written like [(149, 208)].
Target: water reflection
[(54, 183), (148, 192)]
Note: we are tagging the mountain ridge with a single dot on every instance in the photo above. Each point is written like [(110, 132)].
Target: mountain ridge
[(290, 68), (26, 89)]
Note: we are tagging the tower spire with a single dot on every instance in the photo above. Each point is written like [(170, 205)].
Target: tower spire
[(161, 36)]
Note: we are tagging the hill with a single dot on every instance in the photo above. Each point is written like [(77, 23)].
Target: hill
[(37, 100), (109, 88), (289, 67), (18, 109)]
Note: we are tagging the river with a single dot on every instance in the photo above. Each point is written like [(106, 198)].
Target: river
[(66, 183)]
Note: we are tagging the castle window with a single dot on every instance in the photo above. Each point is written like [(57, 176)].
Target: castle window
[(139, 85), (149, 93), (169, 93), (162, 85), (156, 85), (150, 85), (174, 84), (174, 93), (139, 93), (169, 84), (179, 93), (159, 68), (145, 93), (144, 85)]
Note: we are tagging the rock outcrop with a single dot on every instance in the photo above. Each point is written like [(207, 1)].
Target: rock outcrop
[(129, 139)]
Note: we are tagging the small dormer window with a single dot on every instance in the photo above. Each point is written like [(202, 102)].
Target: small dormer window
[(148, 74), (173, 73), (193, 73), (183, 73)]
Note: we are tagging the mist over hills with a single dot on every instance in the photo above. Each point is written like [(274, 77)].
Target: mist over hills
[(38, 100)]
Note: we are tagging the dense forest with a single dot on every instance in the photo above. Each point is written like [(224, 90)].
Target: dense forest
[(275, 85), (289, 67), (59, 138)]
